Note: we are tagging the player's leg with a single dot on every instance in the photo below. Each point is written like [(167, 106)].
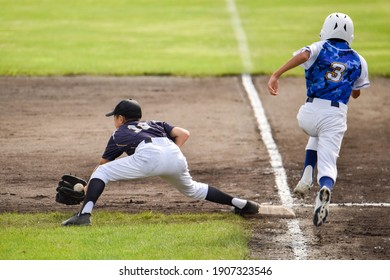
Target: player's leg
[(308, 121), (83, 217), (329, 145), (178, 175), (328, 151), (201, 191), (241, 206), (307, 177), (136, 166)]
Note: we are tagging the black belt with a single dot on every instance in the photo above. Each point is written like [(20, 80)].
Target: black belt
[(148, 140), (332, 103)]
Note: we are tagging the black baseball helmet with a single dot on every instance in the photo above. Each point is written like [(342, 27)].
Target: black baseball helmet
[(128, 108)]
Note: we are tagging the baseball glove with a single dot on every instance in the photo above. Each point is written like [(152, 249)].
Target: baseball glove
[(65, 192)]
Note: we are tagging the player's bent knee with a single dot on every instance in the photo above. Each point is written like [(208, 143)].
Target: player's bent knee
[(100, 174), (197, 193)]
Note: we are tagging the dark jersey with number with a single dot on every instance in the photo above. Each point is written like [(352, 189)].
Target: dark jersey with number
[(127, 137)]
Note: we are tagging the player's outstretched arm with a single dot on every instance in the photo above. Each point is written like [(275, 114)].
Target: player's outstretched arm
[(292, 63), (180, 135)]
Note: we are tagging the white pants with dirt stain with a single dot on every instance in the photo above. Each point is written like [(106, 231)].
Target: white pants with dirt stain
[(161, 157)]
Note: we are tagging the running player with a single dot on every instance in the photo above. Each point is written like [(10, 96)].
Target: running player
[(333, 73), (153, 149)]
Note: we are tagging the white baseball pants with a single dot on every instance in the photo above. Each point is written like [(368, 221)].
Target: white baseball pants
[(161, 158), (326, 126)]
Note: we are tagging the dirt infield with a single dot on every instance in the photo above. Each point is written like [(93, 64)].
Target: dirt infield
[(50, 126)]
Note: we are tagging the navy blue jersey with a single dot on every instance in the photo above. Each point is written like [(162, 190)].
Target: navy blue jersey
[(334, 70), (127, 137)]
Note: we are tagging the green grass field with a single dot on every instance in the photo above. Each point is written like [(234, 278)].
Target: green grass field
[(120, 236), (157, 37)]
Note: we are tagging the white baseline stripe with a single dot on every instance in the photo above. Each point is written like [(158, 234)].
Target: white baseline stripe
[(266, 134), (351, 204), (240, 36), (297, 239)]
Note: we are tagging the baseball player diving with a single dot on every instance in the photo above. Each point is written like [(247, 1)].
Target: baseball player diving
[(153, 149), (333, 73)]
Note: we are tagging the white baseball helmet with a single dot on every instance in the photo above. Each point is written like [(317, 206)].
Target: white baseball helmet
[(337, 25)]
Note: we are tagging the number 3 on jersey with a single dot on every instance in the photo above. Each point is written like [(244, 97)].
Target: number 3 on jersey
[(139, 127), (337, 73)]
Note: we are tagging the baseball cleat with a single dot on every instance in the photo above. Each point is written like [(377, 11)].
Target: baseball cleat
[(249, 208), (78, 220), (302, 189), (321, 210)]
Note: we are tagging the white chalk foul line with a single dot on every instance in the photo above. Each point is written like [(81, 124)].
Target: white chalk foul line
[(297, 239), (350, 204), (240, 36), (266, 135)]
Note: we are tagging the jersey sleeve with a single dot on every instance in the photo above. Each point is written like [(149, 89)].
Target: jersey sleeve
[(314, 50), (362, 81), (112, 151), (167, 127)]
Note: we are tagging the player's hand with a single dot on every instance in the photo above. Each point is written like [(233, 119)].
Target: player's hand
[(355, 93), (273, 85), (292, 63)]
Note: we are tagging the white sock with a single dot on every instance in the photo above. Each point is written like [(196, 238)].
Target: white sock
[(239, 203), (87, 208)]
